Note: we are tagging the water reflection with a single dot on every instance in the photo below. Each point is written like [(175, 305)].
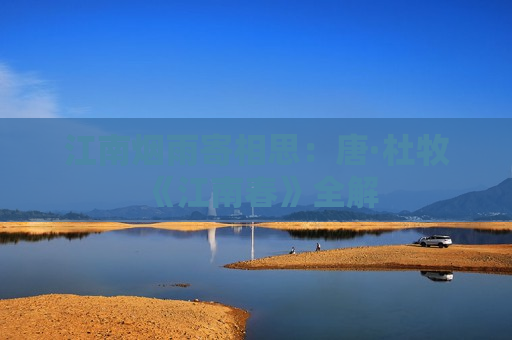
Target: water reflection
[(438, 276), (6, 238), (252, 240), (212, 242), (327, 234), (470, 236), (495, 232), (331, 238)]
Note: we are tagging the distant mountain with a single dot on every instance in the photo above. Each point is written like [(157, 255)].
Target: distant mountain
[(411, 200), (18, 215), (473, 205), (491, 204), (399, 200), (145, 212)]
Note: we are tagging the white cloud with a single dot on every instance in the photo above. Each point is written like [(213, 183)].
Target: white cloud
[(25, 96)]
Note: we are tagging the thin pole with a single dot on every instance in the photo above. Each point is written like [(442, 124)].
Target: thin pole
[(252, 240)]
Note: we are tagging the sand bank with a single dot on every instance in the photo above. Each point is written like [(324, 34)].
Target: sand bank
[(122, 317), (494, 259), (99, 226)]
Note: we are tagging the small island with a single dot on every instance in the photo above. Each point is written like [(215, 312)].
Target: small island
[(490, 259)]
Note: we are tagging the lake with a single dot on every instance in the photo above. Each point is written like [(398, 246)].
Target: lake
[(283, 304)]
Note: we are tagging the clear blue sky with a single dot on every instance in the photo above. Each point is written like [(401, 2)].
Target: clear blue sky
[(256, 58), (91, 59)]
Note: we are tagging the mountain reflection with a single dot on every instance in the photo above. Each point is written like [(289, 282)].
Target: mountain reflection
[(6, 238)]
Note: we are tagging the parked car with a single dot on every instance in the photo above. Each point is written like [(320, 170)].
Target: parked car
[(435, 240)]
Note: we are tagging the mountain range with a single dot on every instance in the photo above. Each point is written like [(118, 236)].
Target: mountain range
[(489, 204), (145, 212), (495, 201)]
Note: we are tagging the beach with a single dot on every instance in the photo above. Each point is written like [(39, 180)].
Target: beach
[(490, 259), (123, 317)]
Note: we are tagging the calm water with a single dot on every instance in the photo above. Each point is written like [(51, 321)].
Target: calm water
[(283, 304)]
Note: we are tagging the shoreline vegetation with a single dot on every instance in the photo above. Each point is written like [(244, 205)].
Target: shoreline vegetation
[(488, 259), (61, 227), (64, 316)]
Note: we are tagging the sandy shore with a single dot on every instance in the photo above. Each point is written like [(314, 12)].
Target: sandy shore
[(385, 226), (99, 226), (493, 259), (122, 317)]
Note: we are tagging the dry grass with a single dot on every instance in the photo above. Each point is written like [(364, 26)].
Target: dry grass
[(98, 226)]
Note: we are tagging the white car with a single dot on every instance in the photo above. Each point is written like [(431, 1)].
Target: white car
[(435, 240)]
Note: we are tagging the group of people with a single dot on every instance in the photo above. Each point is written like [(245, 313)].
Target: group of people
[(317, 248)]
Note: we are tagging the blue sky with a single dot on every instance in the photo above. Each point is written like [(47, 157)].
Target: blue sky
[(286, 59), (255, 59)]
